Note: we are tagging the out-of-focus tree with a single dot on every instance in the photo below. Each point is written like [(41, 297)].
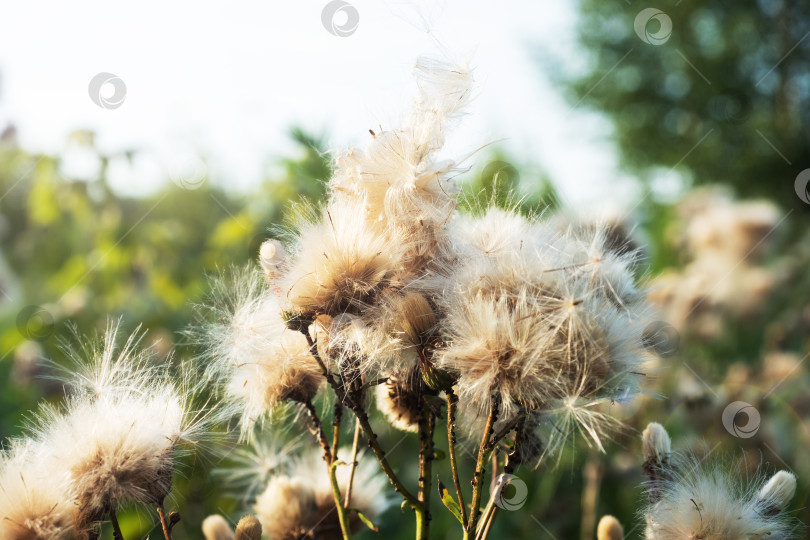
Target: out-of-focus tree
[(723, 96)]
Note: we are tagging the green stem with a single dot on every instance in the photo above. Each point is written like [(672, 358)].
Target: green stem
[(355, 449), (452, 401), (336, 429), (480, 467), (343, 516), (331, 465), (399, 487), (509, 465), (353, 400), (425, 428)]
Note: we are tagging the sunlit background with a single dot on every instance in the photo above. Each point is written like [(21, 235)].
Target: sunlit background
[(144, 147)]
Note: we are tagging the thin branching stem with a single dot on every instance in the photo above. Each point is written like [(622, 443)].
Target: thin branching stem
[(353, 400), (509, 465), (164, 523), (355, 449), (331, 463), (452, 401), (343, 514), (399, 487), (317, 430), (336, 421), (480, 467), (425, 429)]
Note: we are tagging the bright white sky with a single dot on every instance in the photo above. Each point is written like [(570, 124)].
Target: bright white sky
[(227, 79)]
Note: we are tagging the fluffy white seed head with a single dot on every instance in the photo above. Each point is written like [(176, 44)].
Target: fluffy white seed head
[(258, 360), (707, 502), (300, 501), (546, 320), (133, 417), (340, 264), (34, 501)]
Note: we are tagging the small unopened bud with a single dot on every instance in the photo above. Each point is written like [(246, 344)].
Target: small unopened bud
[(215, 527), (249, 528), (319, 331), (657, 447), (415, 317), (437, 379), (271, 256), (609, 529), (296, 321), (528, 448), (656, 444), (398, 399), (776, 494)]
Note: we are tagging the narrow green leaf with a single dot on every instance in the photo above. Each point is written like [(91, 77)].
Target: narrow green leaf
[(449, 502), (364, 519)]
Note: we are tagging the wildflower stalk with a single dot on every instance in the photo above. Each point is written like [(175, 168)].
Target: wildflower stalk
[(355, 449), (399, 487), (317, 430), (480, 467), (425, 430), (511, 461), (343, 517), (117, 535), (353, 401), (329, 456), (164, 523), (452, 401), (336, 421)]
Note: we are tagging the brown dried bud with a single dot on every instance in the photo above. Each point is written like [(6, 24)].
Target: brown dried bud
[(248, 528)]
